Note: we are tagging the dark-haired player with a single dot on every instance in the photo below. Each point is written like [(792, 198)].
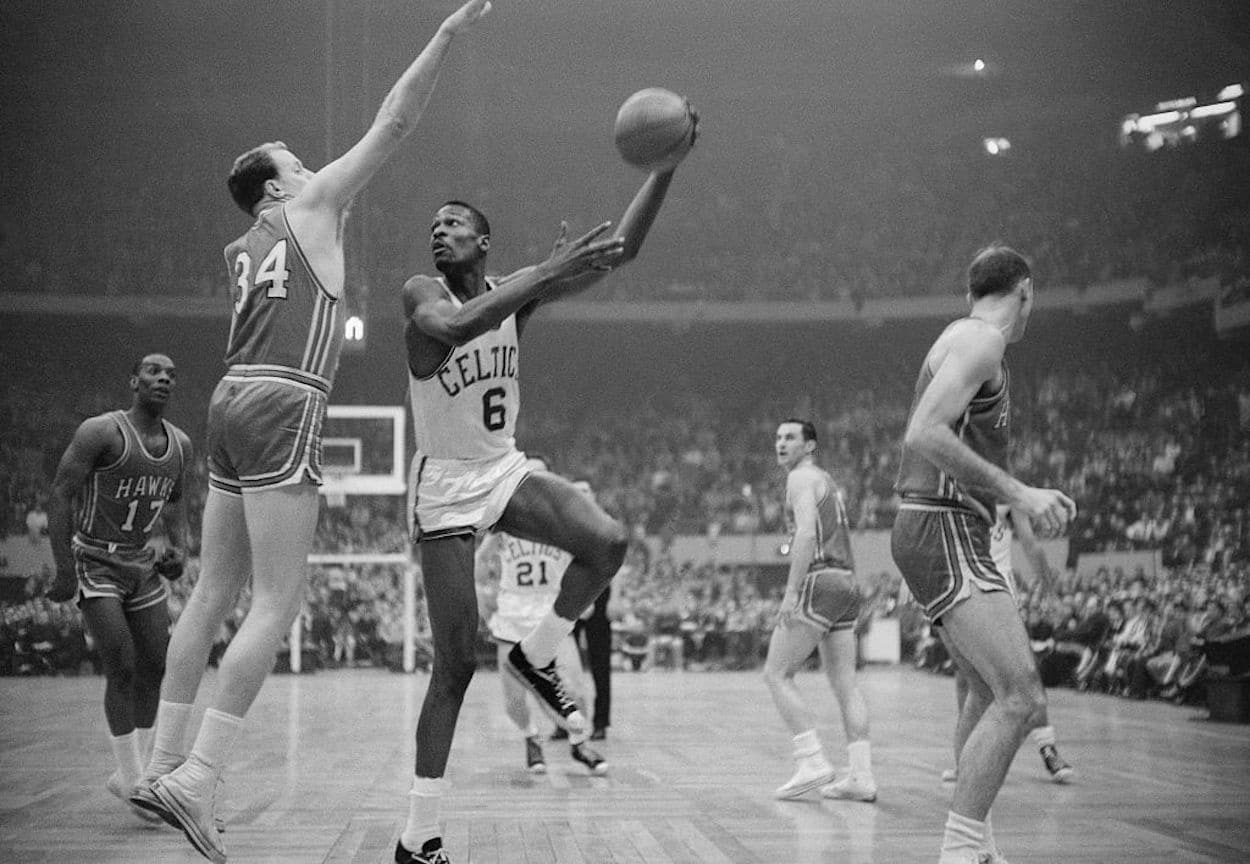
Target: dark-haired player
[(462, 333), (121, 472), (264, 436), (819, 609), (951, 477)]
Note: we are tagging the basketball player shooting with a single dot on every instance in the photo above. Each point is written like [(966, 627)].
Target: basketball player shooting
[(462, 331)]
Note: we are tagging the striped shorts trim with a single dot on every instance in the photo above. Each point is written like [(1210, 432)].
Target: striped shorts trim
[(124, 574), (829, 600), (942, 553)]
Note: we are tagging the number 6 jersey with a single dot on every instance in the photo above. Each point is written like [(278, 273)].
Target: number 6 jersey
[(467, 408), (285, 324)]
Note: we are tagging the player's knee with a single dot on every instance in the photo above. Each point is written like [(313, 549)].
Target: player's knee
[(455, 672), (1025, 702), (775, 676), (120, 672), (614, 542)]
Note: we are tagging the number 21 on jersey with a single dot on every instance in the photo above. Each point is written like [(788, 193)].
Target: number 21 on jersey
[(272, 272)]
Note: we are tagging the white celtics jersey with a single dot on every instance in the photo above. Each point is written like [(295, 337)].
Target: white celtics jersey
[(1000, 542), (529, 580), (467, 408)]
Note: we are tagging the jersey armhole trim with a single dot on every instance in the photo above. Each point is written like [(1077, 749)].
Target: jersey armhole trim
[(299, 250)]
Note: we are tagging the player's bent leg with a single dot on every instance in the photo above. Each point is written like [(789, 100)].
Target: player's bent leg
[(225, 564), (516, 706), (838, 656), (149, 629), (987, 632), (107, 624), (972, 694), (447, 568), (789, 647), (837, 653), (549, 509)]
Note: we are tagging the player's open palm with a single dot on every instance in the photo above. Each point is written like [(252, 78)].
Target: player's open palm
[(571, 258), (466, 16), (1049, 510)]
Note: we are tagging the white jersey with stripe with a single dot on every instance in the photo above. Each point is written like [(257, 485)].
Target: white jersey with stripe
[(529, 580), (467, 408)]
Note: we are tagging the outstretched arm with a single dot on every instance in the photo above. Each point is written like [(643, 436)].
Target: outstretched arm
[(632, 231), (426, 303), (77, 462), (335, 185)]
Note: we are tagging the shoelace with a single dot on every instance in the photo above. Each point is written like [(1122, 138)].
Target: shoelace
[(553, 679)]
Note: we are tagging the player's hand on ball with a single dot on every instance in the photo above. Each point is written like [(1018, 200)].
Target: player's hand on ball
[(63, 588), (171, 563)]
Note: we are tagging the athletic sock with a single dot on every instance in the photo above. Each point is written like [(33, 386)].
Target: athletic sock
[(1043, 736), (145, 737), (806, 744), (213, 745), (539, 646), (126, 753), (169, 746), (962, 834), (424, 800), (990, 845), (860, 755)]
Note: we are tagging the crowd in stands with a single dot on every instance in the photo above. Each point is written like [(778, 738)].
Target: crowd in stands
[(868, 228)]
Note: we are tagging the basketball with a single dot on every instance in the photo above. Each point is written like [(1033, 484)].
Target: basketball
[(654, 129)]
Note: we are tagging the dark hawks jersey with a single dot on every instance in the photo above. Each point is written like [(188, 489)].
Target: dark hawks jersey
[(985, 427), (120, 503)]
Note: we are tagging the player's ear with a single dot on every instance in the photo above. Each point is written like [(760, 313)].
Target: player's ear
[(483, 242), (273, 188)]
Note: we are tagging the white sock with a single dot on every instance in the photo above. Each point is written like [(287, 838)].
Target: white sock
[(531, 730), (216, 740), (806, 744), (126, 753), (169, 746), (540, 645), (962, 833), (424, 800), (860, 755), (1043, 736), (145, 737), (990, 846)]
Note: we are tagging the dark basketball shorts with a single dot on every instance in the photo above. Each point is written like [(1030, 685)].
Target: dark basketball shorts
[(942, 553), (108, 570), (263, 434), (829, 600)]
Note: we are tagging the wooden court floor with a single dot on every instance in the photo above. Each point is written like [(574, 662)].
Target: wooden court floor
[(324, 765)]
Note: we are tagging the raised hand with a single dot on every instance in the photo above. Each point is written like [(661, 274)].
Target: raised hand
[(569, 259), (466, 16)]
